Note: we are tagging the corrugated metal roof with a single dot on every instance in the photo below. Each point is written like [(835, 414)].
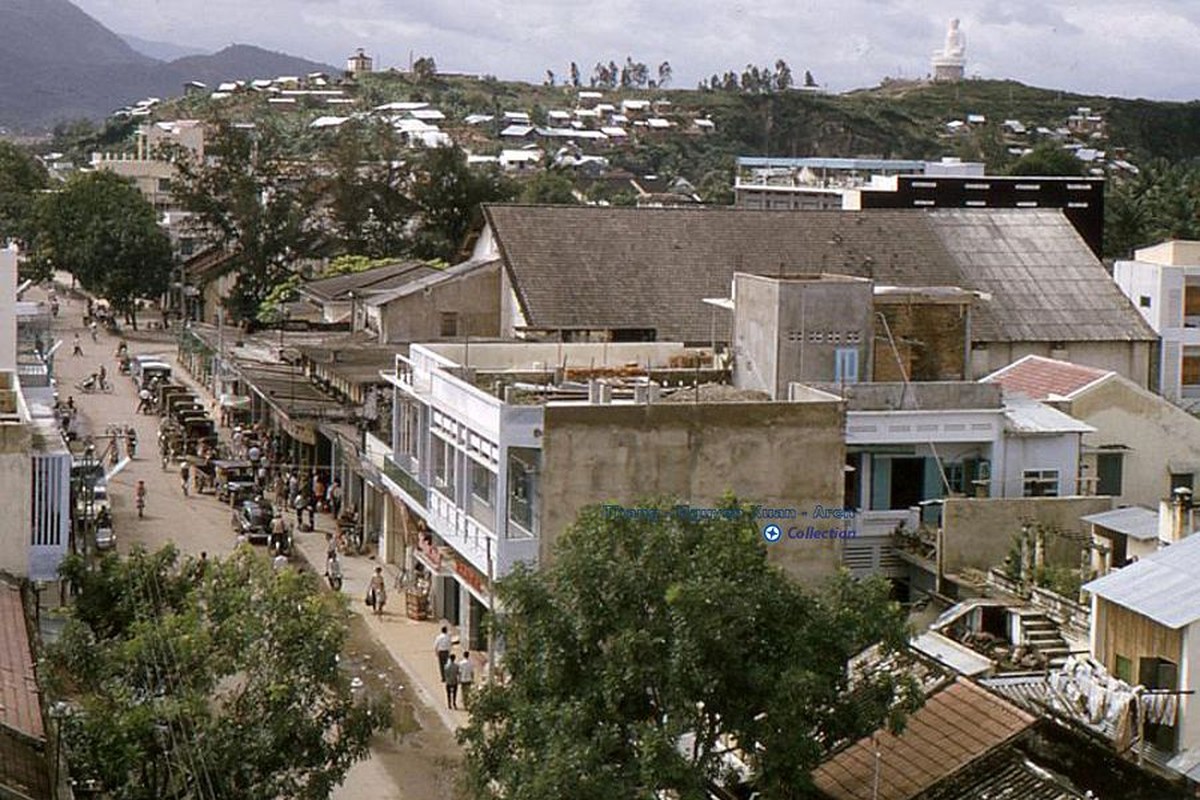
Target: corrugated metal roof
[(1164, 586), (1026, 416), (1135, 521)]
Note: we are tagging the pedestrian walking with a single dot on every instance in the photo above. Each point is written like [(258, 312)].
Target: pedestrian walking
[(450, 678), (77, 348), (298, 507), (102, 377), (185, 476), (92, 327), (140, 495), (333, 571), (466, 677), (144, 405), (335, 498), (441, 647), (377, 592)]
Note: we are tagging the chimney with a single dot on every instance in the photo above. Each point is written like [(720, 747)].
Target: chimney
[(593, 390), (605, 393), (1176, 517), (509, 393), (653, 392)]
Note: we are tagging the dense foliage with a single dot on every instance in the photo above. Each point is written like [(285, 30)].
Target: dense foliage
[(21, 178), (99, 228), (647, 647), (221, 682)]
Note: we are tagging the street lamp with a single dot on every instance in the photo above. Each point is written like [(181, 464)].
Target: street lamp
[(60, 711)]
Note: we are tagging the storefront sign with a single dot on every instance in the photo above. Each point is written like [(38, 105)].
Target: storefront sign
[(471, 576), (305, 434)]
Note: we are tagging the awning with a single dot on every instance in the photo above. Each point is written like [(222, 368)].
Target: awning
[(371, 474), (300, 431), (234, 401), (1183, 467)]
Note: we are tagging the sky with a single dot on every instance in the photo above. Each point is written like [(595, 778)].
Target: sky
[(1146, 48)]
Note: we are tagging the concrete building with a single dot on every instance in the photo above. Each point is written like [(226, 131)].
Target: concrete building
[(855, 184), (1142, 447), (497, 446), (1163, 282), (148, 166), (618, 274), (454, 303), (359, 64)]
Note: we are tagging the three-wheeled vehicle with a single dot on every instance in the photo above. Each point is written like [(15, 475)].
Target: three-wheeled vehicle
[(235, 479)]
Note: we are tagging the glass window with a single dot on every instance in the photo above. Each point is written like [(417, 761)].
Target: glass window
[(449, 323), (1040, 482), (523, 463), (483, 483), (443, 465), (845, 365)]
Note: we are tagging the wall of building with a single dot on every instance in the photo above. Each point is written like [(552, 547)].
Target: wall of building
[(1156, 432), (474, 297), (979, 533), (756, 334), (782, 455), (931, 340), (1049, 452), (1133, 360), (1118, 631), (1189, 677), (17, 480)]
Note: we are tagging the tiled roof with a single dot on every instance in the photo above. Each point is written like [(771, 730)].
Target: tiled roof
[(955, 726), (1038, 377), (582, 267), (20, 704)]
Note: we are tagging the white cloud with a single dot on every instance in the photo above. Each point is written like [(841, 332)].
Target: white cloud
[(1102, 46)]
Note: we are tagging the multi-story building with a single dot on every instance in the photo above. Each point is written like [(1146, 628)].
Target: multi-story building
[(1163, 282), (497, 447)]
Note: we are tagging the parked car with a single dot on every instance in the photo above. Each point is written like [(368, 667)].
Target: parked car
[(253, 518)]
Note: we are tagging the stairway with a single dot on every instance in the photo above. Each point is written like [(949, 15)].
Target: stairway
[(1041, 635)]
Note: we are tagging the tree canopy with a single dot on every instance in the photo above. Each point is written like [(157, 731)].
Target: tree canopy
[(21, 177), (647, 646), (101, 230), (1048, 160), (220, 682)]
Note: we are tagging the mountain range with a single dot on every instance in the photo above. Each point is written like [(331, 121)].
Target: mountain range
[(59, 64)]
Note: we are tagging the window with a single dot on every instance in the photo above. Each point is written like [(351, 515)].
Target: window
[(1144, 301), (1182, 480), (1191, 301), (164, 184), (522, 491), (443, 466), (1124, 669), (1108, 471), (1040, 482), (449, 323), (1191, 371), (483, 483), (845, 365)]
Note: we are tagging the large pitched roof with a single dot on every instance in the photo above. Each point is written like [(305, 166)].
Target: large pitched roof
[(1040, 378), (600, 267), (20, 700), (955, 727)]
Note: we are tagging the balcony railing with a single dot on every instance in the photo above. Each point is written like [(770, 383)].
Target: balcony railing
[(406, 481)]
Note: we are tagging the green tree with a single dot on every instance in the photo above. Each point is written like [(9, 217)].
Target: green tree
[(551, 187), (648, 643), (101, 230), (365, 190), (249, 198), (1047, 160), (21, 177), (221, 683), (424, 69), (449, 196)]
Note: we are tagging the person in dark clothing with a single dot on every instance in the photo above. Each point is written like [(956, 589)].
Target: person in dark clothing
[(450, 678)]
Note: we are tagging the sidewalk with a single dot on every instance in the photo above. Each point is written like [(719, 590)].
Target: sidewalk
[(410, 643)]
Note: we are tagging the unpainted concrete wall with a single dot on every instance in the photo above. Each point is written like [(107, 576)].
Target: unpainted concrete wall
[(931, 339), (779, 455), (475, 297), (979, 533)]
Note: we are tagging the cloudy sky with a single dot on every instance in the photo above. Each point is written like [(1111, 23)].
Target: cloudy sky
[(1145, 48)]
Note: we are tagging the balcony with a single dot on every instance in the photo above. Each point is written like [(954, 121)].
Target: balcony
[(398, 472)]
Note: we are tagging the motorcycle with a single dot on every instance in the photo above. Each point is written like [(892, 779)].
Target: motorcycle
[(131, 441), (92, 384)]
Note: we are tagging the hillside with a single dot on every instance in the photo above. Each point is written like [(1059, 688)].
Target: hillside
[(57, 63)]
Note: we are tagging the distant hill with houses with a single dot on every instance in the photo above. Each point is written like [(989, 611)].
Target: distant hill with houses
[(59, 64)]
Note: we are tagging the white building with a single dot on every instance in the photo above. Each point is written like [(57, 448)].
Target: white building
[(1163, 282)]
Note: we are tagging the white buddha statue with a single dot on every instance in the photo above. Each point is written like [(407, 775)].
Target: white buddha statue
[(956, 42)]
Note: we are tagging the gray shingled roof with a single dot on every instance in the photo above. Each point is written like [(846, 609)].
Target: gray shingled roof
[(578, 267), (382, 278)]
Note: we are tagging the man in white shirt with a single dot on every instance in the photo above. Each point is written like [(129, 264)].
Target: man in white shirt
[(441, 648), (280, 562), (466, 676)]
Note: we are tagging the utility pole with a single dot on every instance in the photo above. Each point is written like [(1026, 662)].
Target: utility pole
[(491, 631)]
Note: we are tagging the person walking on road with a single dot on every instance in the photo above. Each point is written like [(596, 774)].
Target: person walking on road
[(92, 327), (140, 495), (76, 348), (185, 476), (102, 378), (333, 571), (441, 647), (334, 498), (466, 676), (450, 678), (378, 591)]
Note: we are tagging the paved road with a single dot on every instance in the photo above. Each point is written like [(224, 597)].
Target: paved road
[(415, 767)]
